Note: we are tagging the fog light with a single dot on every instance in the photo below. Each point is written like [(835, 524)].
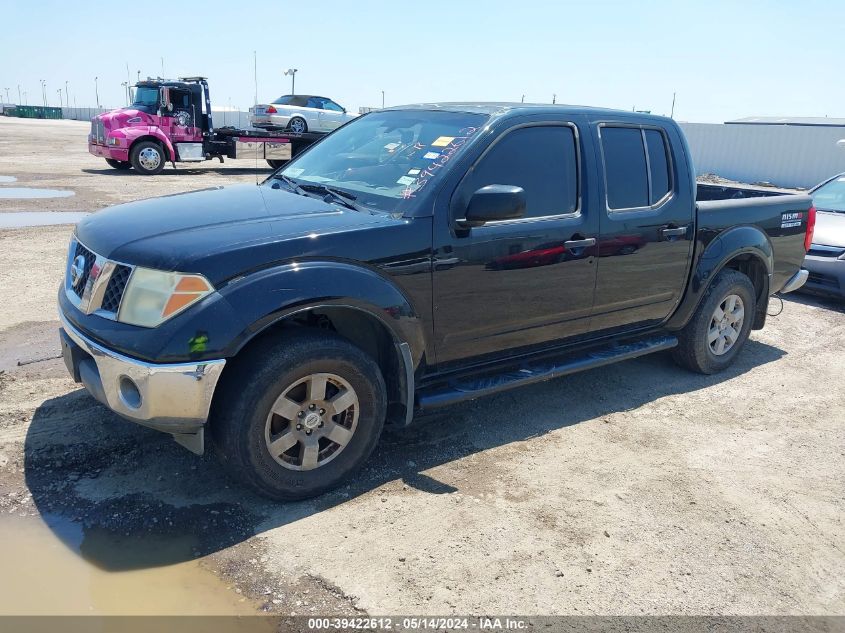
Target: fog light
[(130, 393)]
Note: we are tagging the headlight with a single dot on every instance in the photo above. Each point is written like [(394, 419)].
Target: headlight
[(113, 140), (153, 296)]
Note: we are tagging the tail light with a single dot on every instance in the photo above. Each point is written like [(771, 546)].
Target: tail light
[(271, 110), (811, 227)]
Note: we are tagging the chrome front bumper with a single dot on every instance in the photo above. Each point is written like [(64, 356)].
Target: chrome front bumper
[(174, 398)]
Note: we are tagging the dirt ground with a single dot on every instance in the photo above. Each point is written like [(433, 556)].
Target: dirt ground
[(635, 489)]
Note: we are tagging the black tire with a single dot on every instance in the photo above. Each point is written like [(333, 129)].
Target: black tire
[(139, 158), (121, 165), (694, 351), (300, 121), (275, 164), (261, 374)]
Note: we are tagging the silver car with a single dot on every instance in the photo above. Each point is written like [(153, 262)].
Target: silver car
[(826, 258), (299, 114)]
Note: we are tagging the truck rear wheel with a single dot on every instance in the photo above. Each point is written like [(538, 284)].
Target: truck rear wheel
[(122, 165), (147, 158), (297, 415), (720, 327)]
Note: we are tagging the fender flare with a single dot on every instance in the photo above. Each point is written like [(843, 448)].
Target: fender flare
[(739, 240), (266, 297)]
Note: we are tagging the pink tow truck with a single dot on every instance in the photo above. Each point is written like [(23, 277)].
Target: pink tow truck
[(171, 121)]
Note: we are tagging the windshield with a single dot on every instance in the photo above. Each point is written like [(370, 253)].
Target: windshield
[(145, 96), (831, 197), (387, 158)]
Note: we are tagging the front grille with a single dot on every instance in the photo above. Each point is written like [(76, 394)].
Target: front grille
[(90, 258), (824, 280), (99, 284), (114, 291)]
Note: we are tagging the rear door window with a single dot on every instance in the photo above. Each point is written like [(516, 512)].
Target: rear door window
[(625, 169), (543, 160), (637, 166)]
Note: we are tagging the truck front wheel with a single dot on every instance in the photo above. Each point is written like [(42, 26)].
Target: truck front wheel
[(147, 158), (720, 327), (298, 414), (122, 165)]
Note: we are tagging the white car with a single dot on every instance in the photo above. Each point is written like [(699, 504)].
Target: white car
[(299, 113)]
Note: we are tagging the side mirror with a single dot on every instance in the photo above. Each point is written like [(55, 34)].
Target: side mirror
[(166, 104), (494, 203)]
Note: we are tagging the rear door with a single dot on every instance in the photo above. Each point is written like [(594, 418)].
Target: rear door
[(517, 283), (646, 226)]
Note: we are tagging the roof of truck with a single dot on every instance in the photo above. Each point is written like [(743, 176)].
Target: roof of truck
[(502, 108)]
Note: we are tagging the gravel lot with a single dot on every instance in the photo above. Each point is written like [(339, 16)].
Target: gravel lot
[(634, 489)]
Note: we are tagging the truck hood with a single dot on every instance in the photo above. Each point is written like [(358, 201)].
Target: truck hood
[(221, 231), (830, 229)]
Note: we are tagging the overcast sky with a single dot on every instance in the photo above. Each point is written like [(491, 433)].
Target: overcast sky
[(725, 59)]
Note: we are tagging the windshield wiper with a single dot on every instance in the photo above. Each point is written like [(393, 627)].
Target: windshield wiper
[(338, 195), (290, 182)]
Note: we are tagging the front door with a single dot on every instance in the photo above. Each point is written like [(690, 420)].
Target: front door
[(647, 226), (517, 283)]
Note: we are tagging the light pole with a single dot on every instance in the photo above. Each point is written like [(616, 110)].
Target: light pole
[(125, 85), (162, 67), (19, 94), (24, 98), (292, 72), (96, 93), (60, 97), (67, 97), (139, 75), (44, 91), (7, 95), (554, 98), (382, 99)]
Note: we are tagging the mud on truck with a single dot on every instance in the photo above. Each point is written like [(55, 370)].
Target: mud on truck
[(171, 121)]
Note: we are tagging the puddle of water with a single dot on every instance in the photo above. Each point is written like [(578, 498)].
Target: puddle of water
[(20, 193), (5, 179), (23, 219), (46, 573)]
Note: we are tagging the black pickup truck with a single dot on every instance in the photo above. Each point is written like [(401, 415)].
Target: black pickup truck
[(414, 258)]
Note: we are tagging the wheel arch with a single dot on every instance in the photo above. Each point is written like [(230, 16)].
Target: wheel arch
[(158, 138), (744, 248), (358, 304)]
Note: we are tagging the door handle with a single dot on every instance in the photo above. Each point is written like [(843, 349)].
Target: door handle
[(667, 232), (573, 244)]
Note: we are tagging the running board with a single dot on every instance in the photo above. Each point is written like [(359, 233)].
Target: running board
[(461, 389)]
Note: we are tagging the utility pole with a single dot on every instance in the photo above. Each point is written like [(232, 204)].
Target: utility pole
[(672, 115), (96, 93), (292, 72)]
